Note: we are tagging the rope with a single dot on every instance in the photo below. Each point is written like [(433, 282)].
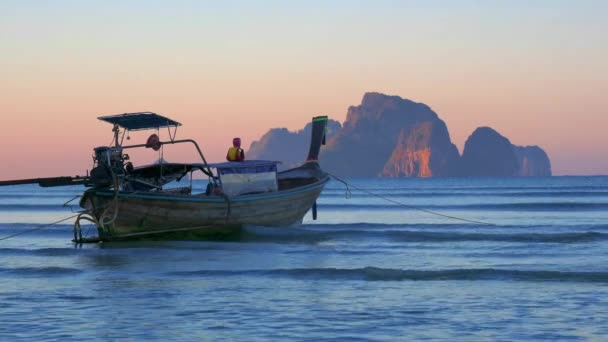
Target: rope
[(70, 206), (409, 206), (114, 202), (38, 228)]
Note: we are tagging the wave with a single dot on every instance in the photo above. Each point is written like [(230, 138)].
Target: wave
[(421, 194), (367, 225), (317, 233), (447, 187), (46, 252), (530, 206), (59, 195), (389, 274), (23, 226), (40, 271), (415, 236), (36, 207), (58, 230)]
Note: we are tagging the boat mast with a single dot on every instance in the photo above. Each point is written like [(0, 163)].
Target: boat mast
[(116, 131)]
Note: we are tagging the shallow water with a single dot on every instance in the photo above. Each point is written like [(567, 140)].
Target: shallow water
[(365, 270)]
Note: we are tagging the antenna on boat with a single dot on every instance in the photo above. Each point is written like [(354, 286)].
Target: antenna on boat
[(116, 131)]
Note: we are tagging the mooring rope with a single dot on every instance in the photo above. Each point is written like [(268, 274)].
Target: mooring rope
[(102, 218), (38, 228), (407, 205)]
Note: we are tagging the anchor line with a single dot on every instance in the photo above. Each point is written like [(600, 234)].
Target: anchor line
[(114, 202), (66, 204), (349, 185), (38, 228), (78, 216)]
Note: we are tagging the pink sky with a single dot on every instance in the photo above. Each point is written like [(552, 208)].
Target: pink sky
[(537, 74)]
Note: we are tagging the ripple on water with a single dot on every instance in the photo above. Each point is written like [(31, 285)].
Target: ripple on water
[(387, 274), (49, 271)]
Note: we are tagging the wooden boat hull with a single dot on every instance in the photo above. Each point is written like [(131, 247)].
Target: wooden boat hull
[(135, 215)]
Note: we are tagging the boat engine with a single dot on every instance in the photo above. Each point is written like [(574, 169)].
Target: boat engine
[(108, 161)]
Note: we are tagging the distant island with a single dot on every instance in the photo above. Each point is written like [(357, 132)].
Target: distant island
[(388, 136)]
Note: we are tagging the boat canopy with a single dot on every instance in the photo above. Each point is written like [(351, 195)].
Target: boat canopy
[(139, 121)]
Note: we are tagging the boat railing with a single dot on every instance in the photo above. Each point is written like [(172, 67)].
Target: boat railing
[(172, 142)]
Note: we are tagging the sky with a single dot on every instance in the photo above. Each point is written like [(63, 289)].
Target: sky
[(536, 71)]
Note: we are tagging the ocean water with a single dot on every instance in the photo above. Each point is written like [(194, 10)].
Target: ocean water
[(367, 269)]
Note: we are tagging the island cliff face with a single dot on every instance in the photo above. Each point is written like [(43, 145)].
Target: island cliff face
[(388, 136), (487, 153), (533, 161), (392, 137), (423, 151)]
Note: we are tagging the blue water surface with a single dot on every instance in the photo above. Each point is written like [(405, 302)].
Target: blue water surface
[(367, 269)]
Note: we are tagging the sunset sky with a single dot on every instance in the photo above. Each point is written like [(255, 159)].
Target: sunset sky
[(536, 71)]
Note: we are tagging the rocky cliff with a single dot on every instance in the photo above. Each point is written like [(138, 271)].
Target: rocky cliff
[(425, 150), (389, 136), (533, 161), (488, 153)]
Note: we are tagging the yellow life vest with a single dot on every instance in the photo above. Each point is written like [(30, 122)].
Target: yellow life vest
[(234, 154)]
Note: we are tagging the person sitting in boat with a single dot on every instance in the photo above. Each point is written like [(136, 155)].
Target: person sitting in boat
[(235, 153)]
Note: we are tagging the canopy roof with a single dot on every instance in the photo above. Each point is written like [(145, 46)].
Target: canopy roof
[(138, 121)]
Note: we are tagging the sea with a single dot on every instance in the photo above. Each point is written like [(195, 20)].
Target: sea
[(386, 260)]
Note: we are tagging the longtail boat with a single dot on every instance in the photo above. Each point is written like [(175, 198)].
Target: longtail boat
[(127, 202)]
